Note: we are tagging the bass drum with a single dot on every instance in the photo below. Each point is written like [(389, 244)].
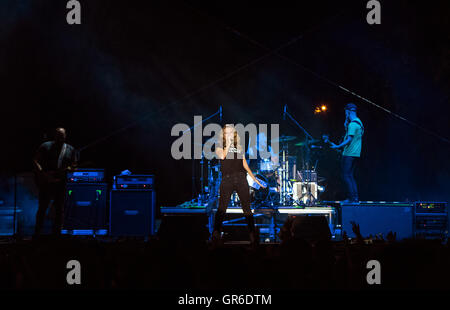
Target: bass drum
[(259, 196)]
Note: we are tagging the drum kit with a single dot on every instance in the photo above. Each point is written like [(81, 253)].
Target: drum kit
[(285, 184)]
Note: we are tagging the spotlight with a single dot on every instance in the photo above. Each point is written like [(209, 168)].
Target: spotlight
[(321, 109)]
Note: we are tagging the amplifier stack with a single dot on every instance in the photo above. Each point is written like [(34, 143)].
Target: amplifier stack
[(431, 220), (132, 206), (85, 209), (420, 220)]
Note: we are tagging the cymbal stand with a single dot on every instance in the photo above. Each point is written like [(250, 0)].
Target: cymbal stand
[(284, 175), (202, 191), (308, 137)]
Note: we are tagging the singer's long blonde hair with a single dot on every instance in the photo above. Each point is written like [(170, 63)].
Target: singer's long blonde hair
[(236, 139)]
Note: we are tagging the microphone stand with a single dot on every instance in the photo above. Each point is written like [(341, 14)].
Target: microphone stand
[(15, 205), (308, 136)]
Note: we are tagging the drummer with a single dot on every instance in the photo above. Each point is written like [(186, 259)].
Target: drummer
[(255, 160)]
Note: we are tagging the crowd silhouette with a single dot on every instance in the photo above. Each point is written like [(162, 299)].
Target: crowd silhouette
[(296, 263)]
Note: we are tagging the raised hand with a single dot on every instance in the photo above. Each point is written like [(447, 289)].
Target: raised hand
[(391, 236), (355, 228)]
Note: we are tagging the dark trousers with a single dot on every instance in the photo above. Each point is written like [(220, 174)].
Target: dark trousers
[(348, 168), (230, 183), (57, 192)]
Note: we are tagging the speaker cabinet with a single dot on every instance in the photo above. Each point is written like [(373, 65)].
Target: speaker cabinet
[(132, 213), (375, 219), (7, 220), (85, 206)]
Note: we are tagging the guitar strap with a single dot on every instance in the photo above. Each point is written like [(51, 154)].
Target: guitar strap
[(61, 155), (359, 123)]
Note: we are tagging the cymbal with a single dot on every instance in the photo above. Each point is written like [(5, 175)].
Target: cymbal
[(284, 139), (305, 142)]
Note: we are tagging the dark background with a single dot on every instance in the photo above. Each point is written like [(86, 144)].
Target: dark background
[(119, 82)]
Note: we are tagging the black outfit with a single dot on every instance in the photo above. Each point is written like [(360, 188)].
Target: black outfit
[(50, 157), (233, 179)]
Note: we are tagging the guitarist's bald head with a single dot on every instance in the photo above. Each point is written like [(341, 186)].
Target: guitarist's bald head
[(60, 135)]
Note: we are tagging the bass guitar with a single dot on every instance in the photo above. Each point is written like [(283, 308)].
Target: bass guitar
[(51, 177), (326, 140)]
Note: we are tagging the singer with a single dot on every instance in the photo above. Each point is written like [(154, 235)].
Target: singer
[(234, 168)]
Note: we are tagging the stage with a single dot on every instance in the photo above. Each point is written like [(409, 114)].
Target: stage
[(376, 218)]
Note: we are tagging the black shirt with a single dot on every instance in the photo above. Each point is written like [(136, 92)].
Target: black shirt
[(232, 164), (48, 154)]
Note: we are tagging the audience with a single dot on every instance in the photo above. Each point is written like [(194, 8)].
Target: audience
[(299, 262)]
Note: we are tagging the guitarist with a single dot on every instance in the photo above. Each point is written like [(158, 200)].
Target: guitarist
[(51, 161), (351, 150)]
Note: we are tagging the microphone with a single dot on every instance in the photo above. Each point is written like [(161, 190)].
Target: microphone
[(284, 112), (220, 113)]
